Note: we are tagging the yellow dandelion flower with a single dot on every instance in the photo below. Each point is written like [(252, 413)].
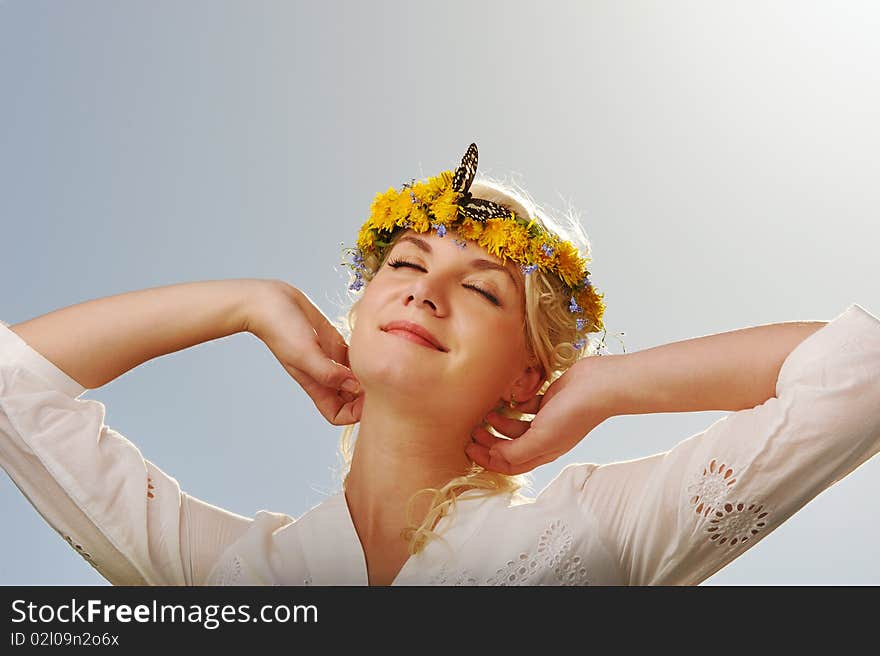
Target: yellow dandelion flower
[(421, 191), (467, 228), (494, 236), (403, 204), (383, 201), (385, 223), (444, 208), (381, 211), (571, 265), (433, 187), (540, 247), (518, 244), (593, 306), (366, 240), (382, 222), (421, 222)]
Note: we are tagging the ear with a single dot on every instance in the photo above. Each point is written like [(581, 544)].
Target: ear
[(529, 382)]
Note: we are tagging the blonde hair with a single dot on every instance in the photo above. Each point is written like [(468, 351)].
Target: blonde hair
[(550, 335)]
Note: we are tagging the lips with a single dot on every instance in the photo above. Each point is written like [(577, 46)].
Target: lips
[(416, 329)]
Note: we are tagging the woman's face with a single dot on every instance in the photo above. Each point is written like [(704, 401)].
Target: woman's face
[(472, 305)]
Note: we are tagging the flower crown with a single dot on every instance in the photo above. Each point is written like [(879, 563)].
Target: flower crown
[(444, 202)]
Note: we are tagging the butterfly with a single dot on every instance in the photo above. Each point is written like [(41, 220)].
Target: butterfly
[(477, 209)]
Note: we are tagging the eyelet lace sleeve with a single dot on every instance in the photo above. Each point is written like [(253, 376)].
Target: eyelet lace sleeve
[(676, 518), (126, 517)]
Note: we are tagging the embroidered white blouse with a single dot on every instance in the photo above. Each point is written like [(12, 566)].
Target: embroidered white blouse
[(671, 518)]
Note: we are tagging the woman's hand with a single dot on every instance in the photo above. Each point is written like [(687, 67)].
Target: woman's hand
[(310, 349), (572, 406)]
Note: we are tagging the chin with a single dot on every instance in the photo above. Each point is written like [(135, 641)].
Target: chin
[(392, 370)]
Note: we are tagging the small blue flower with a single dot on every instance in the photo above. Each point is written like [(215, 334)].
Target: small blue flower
[(441, 229), (358, 282), (581, 323), (358, 259), (530, 268), (547, 250), (574, 307), (580, 344), (587, 283), (412, 196)]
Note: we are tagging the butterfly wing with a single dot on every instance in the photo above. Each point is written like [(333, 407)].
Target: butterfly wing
[(464, 174), (475, 208), (482, 210)]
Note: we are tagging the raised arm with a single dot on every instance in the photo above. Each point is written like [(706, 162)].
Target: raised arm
[(730, 371), (122, 513), (97, 341), (677, 517)]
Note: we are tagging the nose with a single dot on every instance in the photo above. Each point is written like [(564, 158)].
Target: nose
[(420, 299), (424, 291)]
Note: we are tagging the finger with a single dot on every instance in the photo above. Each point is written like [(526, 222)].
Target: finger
[(311, 386), (484, 437), (535, 442), (501, 465), (329, 337), (480, 455), (327, 400), (349, 413), (314, 362), (507, 425), (333, 344), (340, 412), (530, 406), (533, 405)]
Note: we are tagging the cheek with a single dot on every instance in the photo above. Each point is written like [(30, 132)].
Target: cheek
[(495, 345), (364, 354), (369, 349), (361, 341)]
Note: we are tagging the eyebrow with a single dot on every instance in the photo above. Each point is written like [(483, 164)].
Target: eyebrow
[(478, 263)]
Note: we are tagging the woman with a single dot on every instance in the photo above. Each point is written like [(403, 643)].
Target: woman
[(472, 303)]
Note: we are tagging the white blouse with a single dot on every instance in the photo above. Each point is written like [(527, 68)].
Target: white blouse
[(671, 518)]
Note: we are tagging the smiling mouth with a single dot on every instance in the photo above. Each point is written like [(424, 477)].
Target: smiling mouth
[(406, 334)]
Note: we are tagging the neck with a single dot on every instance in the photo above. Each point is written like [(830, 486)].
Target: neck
[(395, 456)]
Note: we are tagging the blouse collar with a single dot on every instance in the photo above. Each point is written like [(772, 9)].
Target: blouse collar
[(336, 557)]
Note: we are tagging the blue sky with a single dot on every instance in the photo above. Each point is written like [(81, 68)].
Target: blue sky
[(723, 157)]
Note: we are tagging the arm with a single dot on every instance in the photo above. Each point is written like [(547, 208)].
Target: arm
[(731, 371), (121, 512), (677, 517), (97, 341)]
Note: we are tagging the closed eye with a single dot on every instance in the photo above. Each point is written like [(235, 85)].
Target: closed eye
[(397, 263)]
